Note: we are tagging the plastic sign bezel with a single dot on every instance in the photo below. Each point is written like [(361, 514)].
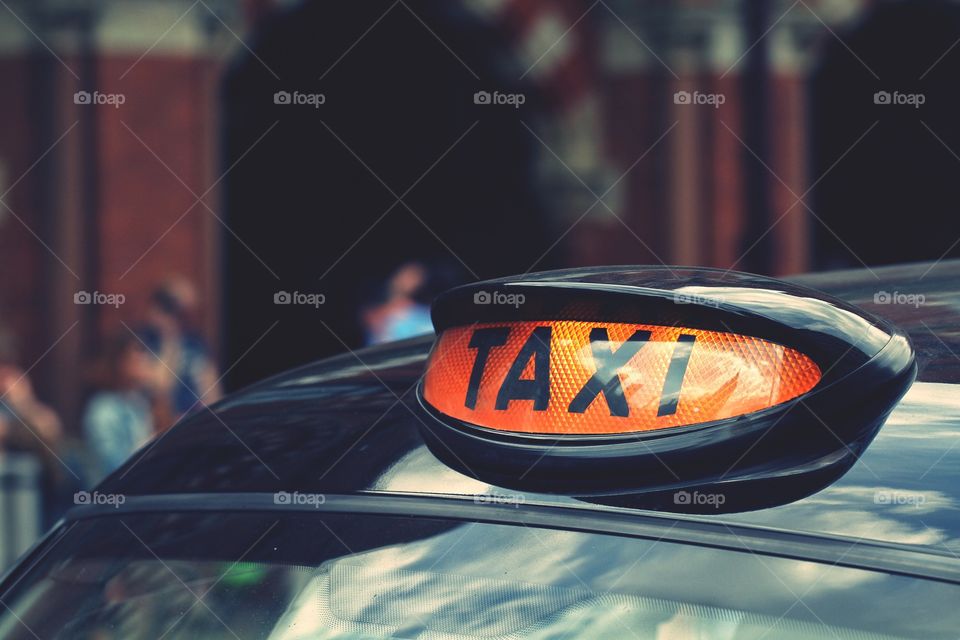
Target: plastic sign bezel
[(800, 444)]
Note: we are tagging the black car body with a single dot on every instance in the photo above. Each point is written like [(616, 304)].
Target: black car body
[(309, 506)]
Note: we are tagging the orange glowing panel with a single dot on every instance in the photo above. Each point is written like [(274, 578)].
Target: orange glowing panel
[(565, 377)]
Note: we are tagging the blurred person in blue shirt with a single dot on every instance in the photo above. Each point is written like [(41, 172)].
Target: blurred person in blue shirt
[(119, 416), (400, 307)]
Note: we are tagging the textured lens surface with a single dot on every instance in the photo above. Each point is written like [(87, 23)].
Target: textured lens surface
[(661, 380)]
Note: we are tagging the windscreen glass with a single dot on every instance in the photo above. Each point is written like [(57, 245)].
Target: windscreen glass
[(357, 577)]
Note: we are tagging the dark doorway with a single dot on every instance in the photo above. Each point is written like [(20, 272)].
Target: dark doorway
[(312, 198), (893, 196)]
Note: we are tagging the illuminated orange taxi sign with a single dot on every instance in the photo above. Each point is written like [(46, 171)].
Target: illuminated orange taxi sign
[(571, 377)]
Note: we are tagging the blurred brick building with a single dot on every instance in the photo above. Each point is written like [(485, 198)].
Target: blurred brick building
[(108, 162), (113, 197), (714, 183)]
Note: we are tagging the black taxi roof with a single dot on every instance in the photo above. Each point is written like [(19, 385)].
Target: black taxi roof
[(350, 426)]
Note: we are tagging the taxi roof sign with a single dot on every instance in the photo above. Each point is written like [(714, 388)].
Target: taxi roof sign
[(633, 379)]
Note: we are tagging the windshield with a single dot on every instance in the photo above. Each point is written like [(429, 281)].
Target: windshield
[(360, 576)]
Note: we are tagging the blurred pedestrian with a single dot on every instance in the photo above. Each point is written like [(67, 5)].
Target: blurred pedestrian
[(119, 417), (19, 406), (400, 307), (397, 313), (168, 332), (30, 427)]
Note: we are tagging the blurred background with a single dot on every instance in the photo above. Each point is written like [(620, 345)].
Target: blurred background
[(198, 194)]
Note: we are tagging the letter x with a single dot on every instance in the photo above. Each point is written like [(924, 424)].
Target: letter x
[(607, 378)]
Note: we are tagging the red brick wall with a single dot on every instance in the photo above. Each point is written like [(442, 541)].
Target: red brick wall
[(633, 118), (791, 236), (147, 222), (101, 229), (685, 200)]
